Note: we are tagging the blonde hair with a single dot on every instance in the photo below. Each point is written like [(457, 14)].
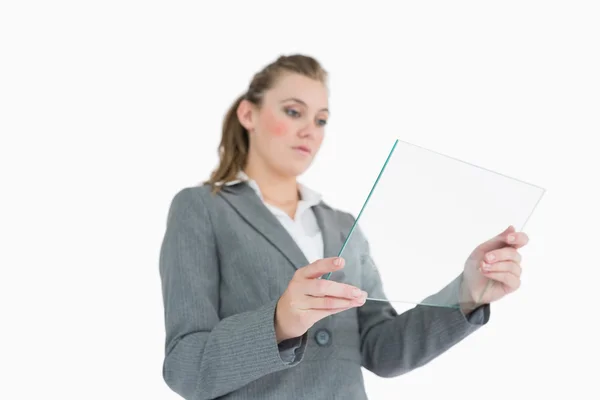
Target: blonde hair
[(233, 149)]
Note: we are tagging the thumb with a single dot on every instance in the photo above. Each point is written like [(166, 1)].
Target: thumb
[(510, 229), (492, 243), (321, 267)]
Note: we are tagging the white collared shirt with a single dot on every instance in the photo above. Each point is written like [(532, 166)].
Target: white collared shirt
[(304, 228)]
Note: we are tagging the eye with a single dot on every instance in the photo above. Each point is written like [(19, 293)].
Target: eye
[(291, 112), (322, 122)]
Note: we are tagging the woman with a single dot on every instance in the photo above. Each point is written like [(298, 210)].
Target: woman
[(246, 315)]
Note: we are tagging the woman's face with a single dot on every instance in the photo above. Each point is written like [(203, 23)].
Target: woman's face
[(287, 131)]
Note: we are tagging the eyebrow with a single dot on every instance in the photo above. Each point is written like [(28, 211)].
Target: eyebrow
[(297, 100)]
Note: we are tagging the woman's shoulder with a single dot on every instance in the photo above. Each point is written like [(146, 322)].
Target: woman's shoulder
[(191, 200), (202, 199), (191, 194)]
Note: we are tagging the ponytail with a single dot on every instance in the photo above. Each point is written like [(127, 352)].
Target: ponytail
[(233, 149)]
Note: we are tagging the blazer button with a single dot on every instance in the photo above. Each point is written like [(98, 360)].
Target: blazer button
[(323, 337)]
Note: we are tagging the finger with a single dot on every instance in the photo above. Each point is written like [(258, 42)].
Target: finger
[(503, 254), (324, 287), (330, 303), (516, 239), (502, 266), (511, 281), (320, 267)]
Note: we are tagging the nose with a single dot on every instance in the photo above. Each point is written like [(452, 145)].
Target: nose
[(309, 130)]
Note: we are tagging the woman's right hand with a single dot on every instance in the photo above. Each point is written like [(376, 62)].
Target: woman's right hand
[(308, 299)]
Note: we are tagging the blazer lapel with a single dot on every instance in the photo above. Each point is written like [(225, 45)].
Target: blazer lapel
[(250, 207), (332, 237)]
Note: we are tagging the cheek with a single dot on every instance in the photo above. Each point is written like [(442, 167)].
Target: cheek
[(280, 128), (320, 137), (276, 126)]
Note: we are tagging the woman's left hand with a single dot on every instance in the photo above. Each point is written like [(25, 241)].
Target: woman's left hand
[(497, 260)]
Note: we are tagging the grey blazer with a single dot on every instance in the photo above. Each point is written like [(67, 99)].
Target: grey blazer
[(224, 262)]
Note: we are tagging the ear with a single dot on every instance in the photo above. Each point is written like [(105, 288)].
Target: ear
[(245, 113)]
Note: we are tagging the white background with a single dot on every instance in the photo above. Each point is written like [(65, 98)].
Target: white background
[(108, 108)]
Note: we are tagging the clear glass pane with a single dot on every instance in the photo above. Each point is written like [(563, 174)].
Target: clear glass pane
[(423, 217)]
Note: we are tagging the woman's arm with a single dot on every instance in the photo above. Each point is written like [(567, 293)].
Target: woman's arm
[(393, 344), (206, 357)]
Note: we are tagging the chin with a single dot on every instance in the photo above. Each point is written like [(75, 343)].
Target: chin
[(295, 169)]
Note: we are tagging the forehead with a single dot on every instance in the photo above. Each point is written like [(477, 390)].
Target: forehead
[(310, 91)]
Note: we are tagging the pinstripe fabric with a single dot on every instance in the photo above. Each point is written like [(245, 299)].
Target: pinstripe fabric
[(224, 262)]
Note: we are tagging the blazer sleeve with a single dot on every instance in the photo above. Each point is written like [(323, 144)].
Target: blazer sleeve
[(393, 344), (207, 357)]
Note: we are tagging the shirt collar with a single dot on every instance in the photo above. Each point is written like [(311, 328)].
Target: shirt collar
[(307, 196)]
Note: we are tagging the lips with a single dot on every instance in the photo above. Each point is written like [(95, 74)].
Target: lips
[(303, 149)]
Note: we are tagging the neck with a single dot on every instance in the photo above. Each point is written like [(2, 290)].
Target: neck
[(275, 188)]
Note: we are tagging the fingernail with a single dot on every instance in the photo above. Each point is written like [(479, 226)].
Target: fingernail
[(356, 292), (511, 238), (338, 262), (491, 257), (486, 267)]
